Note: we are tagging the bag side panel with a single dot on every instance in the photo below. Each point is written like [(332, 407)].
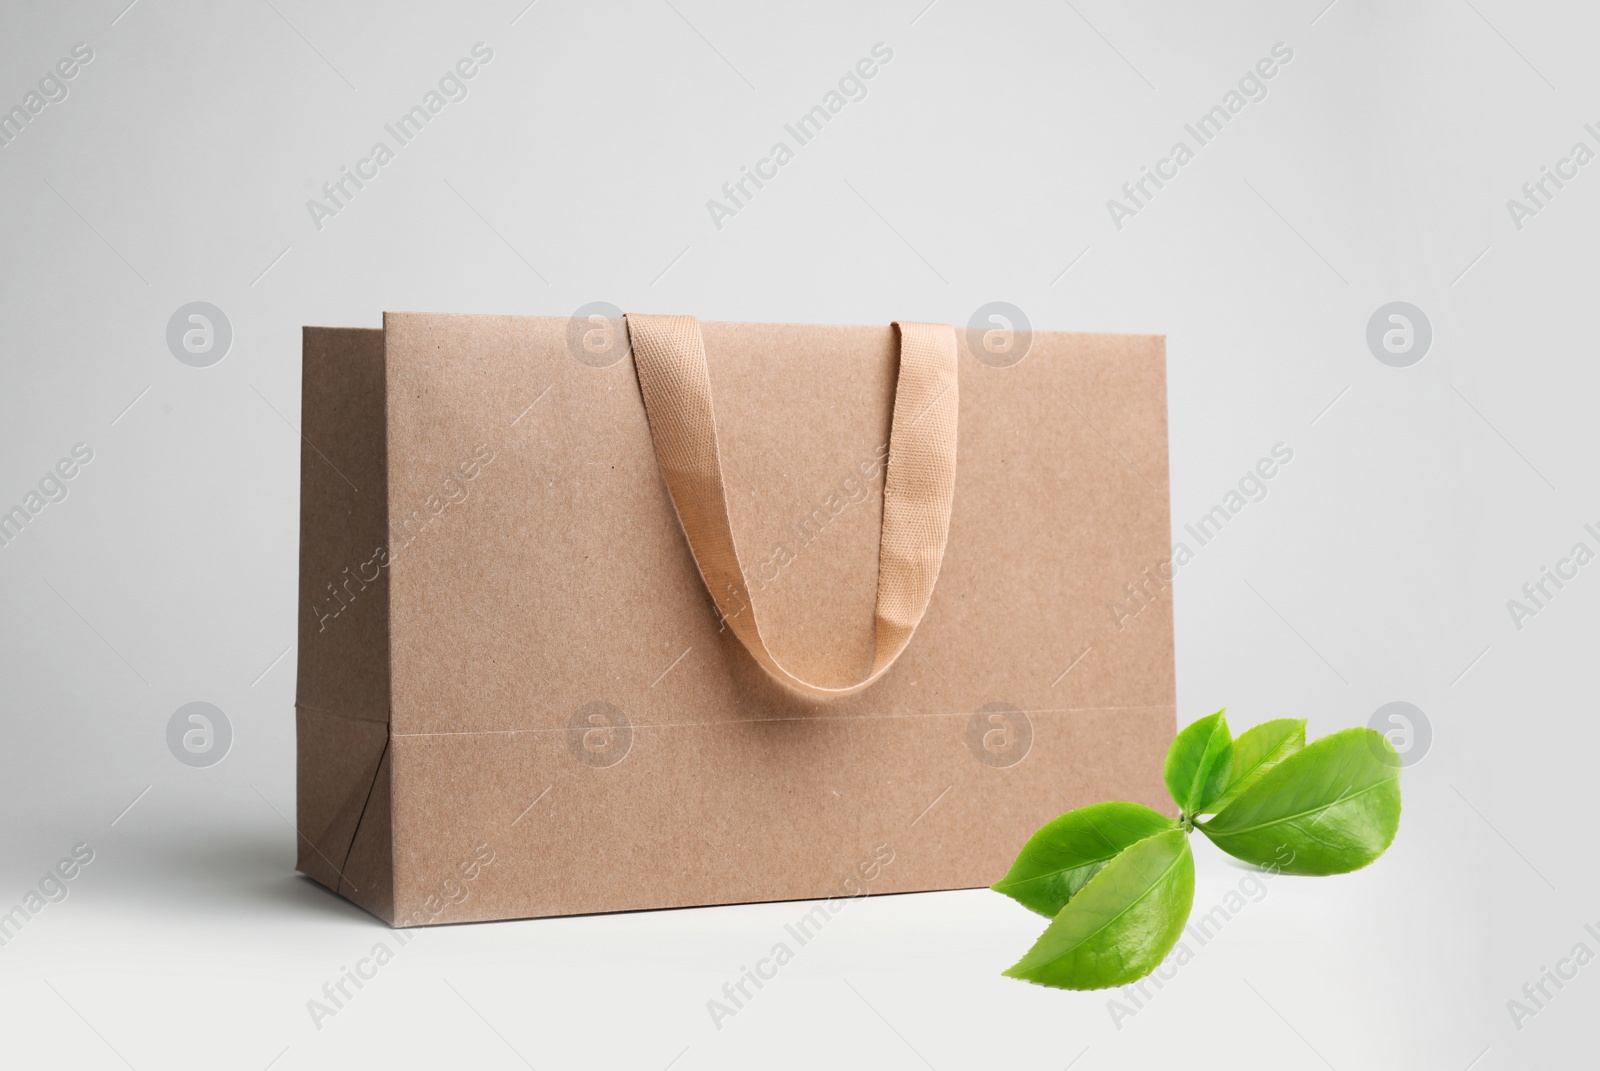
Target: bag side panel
[(342, 695)]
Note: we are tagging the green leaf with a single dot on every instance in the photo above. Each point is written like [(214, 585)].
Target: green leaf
[(1257, 751), (1329, 808), (1062, 856), (1122, 924), (1197, 763)]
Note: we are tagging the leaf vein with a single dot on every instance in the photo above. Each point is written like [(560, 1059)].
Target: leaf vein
[(1298, 814), (1135, 902)]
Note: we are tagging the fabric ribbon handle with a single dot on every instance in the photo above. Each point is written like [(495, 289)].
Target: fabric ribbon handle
[(919, 484)]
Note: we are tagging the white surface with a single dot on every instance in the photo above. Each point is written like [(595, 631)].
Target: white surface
[(1377, 169)]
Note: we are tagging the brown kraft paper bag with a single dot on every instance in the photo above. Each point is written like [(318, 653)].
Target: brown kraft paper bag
[(601, 615)]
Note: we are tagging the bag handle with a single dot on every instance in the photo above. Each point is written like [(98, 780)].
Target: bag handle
[(919, 484)]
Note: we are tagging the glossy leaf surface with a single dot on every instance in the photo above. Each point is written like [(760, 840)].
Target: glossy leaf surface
[(1329, 808), (1258, 750), (1198, 762), (1058, 860), (1122, 924)]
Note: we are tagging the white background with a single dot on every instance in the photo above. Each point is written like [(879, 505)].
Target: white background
[(1419, 500)]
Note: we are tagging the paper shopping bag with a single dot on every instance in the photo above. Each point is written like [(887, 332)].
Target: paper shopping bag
[(603, 615)]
